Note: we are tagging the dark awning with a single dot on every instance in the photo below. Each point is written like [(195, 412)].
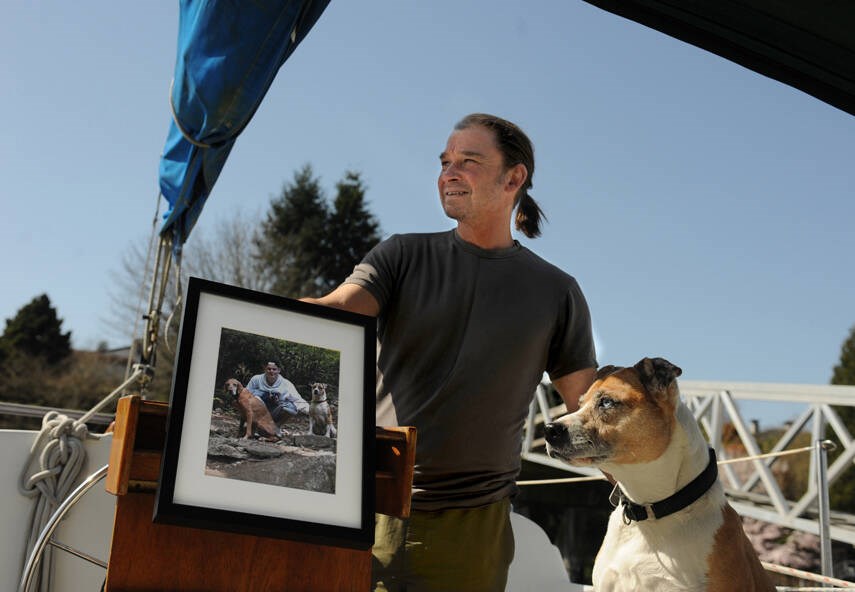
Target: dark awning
[(807, 44)]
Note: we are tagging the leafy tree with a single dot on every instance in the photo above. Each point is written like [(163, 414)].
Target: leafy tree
[(309, 248), (242, 355), (222, 253), (842, 492), (229, 256), (36, 331)]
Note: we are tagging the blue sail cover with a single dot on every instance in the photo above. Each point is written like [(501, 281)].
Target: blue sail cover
[(228, 55)]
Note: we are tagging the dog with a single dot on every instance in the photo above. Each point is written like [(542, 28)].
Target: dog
[(253, 413), (320, 417), (672, 528)]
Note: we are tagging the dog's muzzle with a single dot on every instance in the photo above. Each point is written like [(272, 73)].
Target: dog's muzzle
[(570, 443), (556, 433)]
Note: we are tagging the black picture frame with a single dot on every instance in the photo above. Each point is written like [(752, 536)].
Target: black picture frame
[(196, 490)]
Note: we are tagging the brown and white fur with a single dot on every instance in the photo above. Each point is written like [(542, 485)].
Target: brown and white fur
[(253, 412), (633, 425), (320, 417)]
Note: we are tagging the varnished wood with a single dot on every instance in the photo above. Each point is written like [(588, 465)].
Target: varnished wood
[(139, 434), (148, 556), (121, 451), (396, 455)]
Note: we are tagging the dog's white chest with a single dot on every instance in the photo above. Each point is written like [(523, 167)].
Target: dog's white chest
[(667, 555)]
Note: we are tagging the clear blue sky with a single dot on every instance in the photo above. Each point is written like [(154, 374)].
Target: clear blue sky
[(707, 211)]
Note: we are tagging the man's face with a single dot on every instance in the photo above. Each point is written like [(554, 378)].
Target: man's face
[(271, 370), (472, 179)]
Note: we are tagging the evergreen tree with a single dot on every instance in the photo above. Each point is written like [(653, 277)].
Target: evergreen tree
[(35, 331), (290, 244), (844, 372), (307, 248), (842, 492), (352, 231)]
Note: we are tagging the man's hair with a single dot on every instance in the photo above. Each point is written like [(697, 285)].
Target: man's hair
[(516, 149)]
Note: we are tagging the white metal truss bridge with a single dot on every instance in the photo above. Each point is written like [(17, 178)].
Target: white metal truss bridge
[(751, 486)]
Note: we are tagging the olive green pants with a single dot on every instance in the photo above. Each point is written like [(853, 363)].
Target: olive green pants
[(460, 550)]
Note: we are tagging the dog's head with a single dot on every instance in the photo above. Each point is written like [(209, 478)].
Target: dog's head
[(319, 391), (232, 386), (627, 416)]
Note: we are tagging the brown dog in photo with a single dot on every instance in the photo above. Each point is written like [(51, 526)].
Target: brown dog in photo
[(253, 412)]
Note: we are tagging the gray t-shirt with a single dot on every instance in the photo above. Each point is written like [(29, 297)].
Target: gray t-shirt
[(465, 336)]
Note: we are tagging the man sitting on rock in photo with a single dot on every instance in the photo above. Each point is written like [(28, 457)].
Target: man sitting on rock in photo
[(279, 395)]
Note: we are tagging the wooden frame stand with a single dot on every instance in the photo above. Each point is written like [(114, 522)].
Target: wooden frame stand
[(149, 556)]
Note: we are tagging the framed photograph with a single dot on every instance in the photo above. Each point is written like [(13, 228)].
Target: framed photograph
[(271, 425)]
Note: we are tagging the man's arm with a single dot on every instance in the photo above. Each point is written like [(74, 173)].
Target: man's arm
[(253, 387), (574, 385), (350, 297)]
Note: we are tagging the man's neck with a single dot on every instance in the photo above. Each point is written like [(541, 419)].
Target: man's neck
[(487, 237)]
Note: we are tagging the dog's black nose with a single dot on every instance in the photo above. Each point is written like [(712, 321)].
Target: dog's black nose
[(555, 432)]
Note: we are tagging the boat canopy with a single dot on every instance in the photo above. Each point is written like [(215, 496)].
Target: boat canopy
[(228, 55)]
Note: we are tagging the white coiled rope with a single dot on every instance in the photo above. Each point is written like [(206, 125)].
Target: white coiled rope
[(59, 456)]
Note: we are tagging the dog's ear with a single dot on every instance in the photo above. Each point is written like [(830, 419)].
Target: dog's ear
[(606, 370), (656, 374)]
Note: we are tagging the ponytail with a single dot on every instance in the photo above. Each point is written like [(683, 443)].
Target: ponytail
[(528, 216)]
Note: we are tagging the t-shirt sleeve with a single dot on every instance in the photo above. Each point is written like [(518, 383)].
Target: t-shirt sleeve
[(572, 347), (378, 271)]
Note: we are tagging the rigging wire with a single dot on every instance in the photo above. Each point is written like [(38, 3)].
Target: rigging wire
[(152, 241)]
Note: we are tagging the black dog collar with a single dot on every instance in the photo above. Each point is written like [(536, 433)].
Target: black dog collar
[(674, 503)]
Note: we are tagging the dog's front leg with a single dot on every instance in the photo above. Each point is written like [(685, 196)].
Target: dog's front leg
[(250, 420)]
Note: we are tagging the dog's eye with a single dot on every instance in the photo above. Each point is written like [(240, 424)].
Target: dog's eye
[(606, 403)]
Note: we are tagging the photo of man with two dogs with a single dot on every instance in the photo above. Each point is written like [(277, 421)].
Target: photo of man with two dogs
[(274, 413)]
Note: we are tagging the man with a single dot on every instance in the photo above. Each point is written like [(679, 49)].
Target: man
[(468, 320), (279, 395)]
